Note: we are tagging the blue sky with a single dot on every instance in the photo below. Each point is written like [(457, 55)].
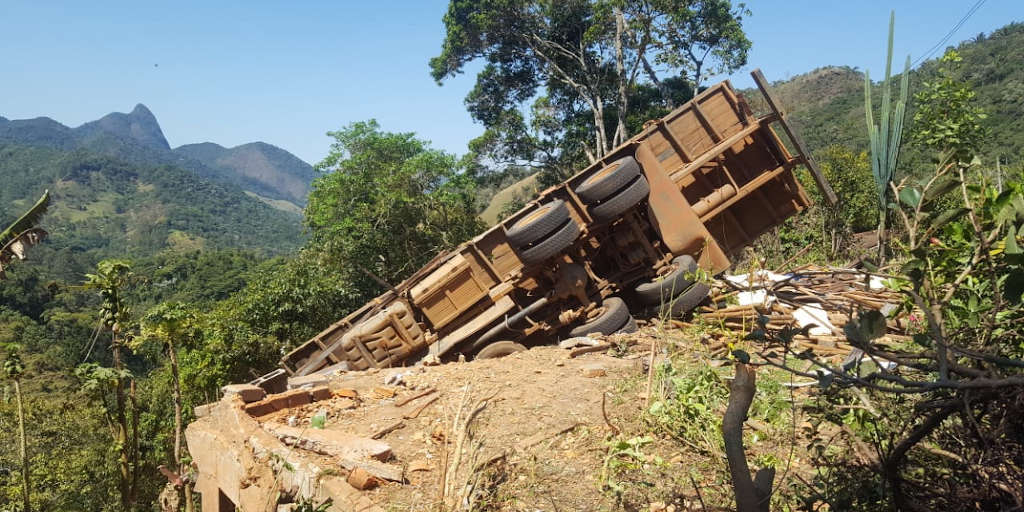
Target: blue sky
[(288, 72)]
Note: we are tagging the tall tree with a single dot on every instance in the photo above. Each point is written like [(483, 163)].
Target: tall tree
[(111, 279), (584, 56), (387, 204), (948, 118), (171, 324), (13, 370)]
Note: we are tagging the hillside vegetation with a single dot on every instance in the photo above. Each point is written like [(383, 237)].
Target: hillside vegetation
[(103, 207), (165, 277), (136, 138), (827, 104)]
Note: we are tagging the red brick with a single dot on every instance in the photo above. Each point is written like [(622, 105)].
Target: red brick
[(346, 393), (361, 479), (279, 401), (296, 397), (261, 408), (320, 393)]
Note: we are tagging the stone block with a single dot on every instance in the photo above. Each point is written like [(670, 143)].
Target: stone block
[(307, 381), (203, 411), (247, 392)]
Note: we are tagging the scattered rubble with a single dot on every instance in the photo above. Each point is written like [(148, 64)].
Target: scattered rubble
[(387, 436), (391, 446), (820, 300)]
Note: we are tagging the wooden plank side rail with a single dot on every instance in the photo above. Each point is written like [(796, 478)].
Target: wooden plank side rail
[(776, 106)]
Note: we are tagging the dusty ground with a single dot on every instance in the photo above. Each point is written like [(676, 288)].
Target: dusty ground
[(545, 443), (545, 414)]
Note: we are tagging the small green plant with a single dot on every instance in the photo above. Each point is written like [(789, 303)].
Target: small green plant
[(947, 118), (625, 455), (308, 505), (688, 405)]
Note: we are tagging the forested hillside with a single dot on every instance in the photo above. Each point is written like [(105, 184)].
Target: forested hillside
[(260, 167), (103, 207), (827, 104), (136, 138)]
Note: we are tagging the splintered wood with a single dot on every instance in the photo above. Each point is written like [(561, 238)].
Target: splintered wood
[(822, 300)]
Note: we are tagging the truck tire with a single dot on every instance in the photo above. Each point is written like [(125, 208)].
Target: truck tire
[(662, 289), (622, 201), (499, 349), (630, 326), (615, 317), (537, 224), (686, 301), (551, 246), (605, 182)]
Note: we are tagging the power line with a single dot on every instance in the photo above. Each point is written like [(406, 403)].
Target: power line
[(952, 31)]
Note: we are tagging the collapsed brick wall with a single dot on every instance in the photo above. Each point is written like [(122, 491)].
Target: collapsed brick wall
[(241, 466)]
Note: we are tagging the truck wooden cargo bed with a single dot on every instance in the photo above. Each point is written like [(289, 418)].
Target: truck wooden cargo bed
[(625, 235)]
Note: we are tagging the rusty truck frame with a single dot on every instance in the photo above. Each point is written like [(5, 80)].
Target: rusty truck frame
[(627, 232)]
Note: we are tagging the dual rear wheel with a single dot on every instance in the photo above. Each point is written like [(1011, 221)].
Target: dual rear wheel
[(677, 292), (614, 189)]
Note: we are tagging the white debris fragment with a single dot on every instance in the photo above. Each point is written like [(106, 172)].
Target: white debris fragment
[(395, 379), (578, 341), (757, 279), (876, 283), (755, 298), (813, 314)]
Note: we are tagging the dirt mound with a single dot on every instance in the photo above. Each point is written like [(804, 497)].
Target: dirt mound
[(540, 408)]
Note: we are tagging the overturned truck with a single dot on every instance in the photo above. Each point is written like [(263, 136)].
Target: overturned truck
[(633, 231)]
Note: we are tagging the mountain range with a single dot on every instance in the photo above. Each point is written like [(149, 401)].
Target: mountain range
[(263, 170)]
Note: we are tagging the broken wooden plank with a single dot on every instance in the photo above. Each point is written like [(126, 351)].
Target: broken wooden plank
[(416, 412), (388, 429), (330, 442), (408, 399), (381, 470)]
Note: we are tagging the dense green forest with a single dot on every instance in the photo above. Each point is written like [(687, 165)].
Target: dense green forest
[(136, 139), (104, 207), (229, 284)]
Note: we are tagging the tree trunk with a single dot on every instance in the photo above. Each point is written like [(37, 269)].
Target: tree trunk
[(134, 444), (666, 98), (23, 448), (750, 496), (173, 357), (891, 464), (599, 119), (189, 499), (620, 66), (124, 485), (598, 146)]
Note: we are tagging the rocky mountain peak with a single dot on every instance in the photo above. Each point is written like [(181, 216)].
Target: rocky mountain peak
[(140, 125)]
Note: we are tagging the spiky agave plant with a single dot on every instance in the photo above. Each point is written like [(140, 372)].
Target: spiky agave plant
[(885, 138)]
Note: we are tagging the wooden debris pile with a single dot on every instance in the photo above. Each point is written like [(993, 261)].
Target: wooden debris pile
[(824, 300)]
